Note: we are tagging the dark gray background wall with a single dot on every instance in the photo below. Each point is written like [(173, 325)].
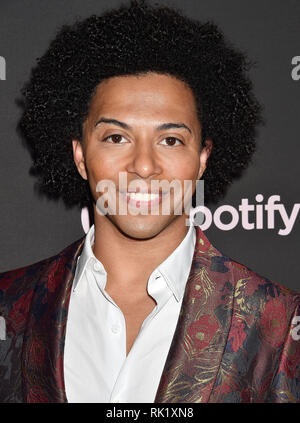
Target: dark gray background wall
[(33, 228)]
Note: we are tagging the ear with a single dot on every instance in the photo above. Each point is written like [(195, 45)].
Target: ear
[(78, 156), (204, 155)]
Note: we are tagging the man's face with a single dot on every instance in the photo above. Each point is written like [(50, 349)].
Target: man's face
[(147, 127)]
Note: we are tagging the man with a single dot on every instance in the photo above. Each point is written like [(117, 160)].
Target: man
[(144, 308)]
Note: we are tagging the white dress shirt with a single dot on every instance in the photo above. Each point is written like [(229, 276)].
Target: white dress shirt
[(96, 368)]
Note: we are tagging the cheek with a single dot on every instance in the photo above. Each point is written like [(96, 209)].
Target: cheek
[(186, 170), (100, 166)]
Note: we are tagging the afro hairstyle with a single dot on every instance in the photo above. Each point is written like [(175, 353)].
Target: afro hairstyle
[(133, 39)]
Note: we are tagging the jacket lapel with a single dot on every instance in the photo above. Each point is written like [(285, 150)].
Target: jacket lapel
[(199, 340), (43, 345)]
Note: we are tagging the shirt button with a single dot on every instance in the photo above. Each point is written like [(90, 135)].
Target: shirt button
[(97, 267), (115, 328)]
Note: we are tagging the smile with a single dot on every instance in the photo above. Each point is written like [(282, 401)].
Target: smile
[(142, 199)]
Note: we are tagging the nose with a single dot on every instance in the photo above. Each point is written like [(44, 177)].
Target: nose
[(144, 161)]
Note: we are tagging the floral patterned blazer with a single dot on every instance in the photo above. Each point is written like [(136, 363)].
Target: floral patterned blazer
[(236, 339)]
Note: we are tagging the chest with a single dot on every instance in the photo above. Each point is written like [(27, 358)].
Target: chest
[(135, 310)]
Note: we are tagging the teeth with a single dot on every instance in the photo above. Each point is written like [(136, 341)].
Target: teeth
[(138, 196)]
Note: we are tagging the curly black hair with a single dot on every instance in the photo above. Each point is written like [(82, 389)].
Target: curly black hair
[(134, 39)]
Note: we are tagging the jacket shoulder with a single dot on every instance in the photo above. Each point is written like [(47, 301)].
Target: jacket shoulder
[(259, 305), (239, 276), (18, 282), (253, 282), (246, 288)]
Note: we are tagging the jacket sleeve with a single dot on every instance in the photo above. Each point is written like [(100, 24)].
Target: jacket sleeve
[(285, 386)]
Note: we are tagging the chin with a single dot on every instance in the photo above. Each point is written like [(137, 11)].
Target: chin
[(139, 227)]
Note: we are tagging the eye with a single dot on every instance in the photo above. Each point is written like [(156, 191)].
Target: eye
[(115, 139), (172, 140)]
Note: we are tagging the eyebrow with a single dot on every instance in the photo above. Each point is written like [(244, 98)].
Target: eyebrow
[(158, 128)]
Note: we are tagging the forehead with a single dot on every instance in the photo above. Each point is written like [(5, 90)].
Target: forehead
[(144, 95)]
